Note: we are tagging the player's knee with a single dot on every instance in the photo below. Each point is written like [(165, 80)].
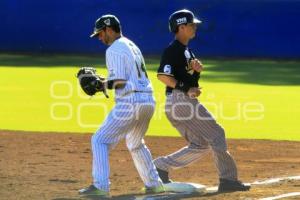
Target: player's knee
[(221, 132), (219, 142), (198, 147), (94, 139), (97, 138), (134, 147), (219, 147), (133, 144)]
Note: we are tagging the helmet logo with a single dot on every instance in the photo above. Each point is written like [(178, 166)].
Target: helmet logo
[(107, 22), (167, 69), (182, 20)]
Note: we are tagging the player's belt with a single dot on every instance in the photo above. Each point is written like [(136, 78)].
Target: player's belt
[(135, 91)]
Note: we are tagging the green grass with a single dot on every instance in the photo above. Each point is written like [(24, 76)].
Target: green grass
[(251, 99)]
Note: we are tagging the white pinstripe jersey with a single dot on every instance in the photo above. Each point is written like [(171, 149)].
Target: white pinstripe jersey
[(125, 61)]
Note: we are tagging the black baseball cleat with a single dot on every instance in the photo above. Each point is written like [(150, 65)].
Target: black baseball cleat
[(164, 176), (232, 186)]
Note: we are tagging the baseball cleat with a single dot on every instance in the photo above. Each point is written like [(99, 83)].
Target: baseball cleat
[(232, 186), (93, 191), (154, 190), (164, 176)]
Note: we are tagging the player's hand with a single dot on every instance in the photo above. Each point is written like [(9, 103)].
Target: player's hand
[(194, 92), (197, 65)]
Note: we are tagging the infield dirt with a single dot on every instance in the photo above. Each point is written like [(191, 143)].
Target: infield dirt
[(56, 165)]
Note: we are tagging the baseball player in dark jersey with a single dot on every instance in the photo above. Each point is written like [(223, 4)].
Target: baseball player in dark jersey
[(180, 71)]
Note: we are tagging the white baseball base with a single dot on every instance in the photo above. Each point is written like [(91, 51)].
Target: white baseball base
[(181, 187)]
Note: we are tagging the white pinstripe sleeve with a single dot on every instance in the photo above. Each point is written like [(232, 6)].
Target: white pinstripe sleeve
[(116, 65)]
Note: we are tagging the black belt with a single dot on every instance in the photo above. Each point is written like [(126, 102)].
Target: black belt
[(135, 91)]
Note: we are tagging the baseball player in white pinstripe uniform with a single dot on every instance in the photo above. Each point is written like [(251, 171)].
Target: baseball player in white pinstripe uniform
[(131, 115), (180, 71)]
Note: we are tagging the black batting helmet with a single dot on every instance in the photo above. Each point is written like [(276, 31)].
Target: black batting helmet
[(181, 17)]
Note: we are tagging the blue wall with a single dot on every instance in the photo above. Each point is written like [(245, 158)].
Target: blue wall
[(231, 28)]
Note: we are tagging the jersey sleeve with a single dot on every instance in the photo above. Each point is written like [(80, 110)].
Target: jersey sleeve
[(116, 64), (166, 67)]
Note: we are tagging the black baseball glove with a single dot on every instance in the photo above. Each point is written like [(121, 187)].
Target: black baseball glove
[(90, 82)]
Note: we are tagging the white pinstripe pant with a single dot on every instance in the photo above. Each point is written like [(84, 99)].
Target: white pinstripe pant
[(201, 131), (127, 120)]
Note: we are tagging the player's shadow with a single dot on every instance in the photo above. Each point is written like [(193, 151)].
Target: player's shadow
[(36, 60), (163, 196), (139, 196), (260, 72)]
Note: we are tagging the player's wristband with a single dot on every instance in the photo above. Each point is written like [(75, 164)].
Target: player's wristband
[(182, 86), (110, 84)]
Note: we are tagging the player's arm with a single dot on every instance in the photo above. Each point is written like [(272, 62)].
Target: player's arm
[(173, 83), (167, 80), (115, 84), (165, 74)]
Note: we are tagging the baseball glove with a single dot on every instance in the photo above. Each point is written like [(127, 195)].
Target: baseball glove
[(90, 82)]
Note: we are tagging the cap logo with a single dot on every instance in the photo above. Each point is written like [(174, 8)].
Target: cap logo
[(182, 20), (107, 22)]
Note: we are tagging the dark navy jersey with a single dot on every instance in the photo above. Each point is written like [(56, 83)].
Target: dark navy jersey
[(175, 62)]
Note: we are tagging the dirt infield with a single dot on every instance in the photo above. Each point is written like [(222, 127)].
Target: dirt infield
[(55, 166)]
